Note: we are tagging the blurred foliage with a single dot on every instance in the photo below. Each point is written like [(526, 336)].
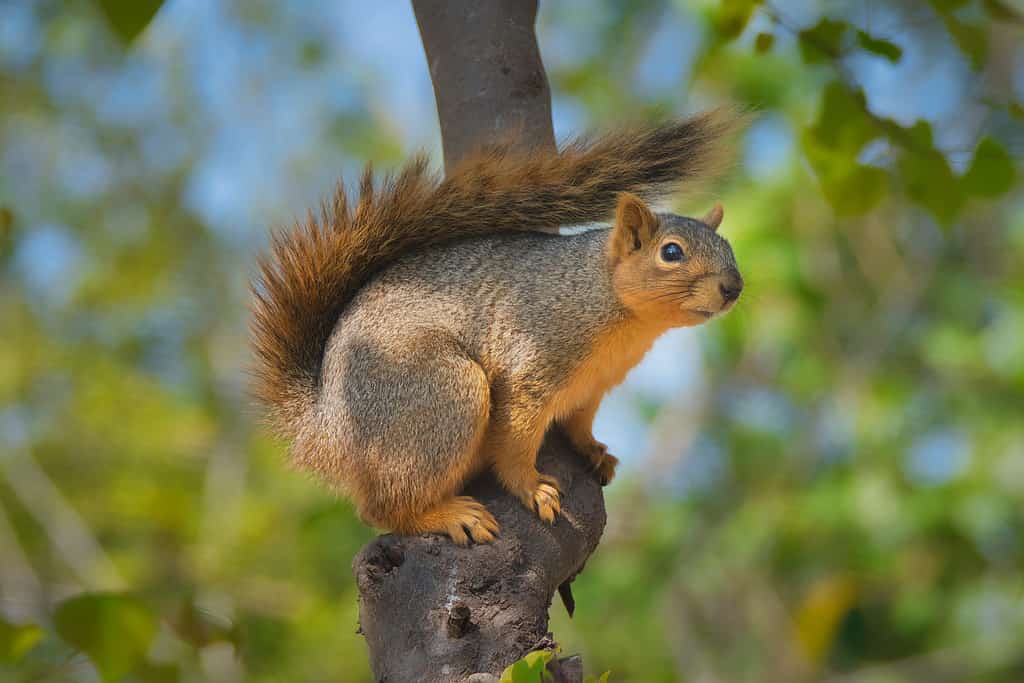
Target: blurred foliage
[(836, 496), (129, 17)]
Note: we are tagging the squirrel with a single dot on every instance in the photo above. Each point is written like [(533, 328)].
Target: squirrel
[(438, 328)]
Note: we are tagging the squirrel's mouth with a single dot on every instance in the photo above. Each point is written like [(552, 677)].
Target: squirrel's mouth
[(708, 314)]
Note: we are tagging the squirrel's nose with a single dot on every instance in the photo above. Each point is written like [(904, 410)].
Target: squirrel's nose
[(731, 290)]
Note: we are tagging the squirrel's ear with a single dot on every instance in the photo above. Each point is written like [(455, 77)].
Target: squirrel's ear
[(634, 225), (713, 218)]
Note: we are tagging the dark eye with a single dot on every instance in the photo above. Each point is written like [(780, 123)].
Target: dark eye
[(672, 252)]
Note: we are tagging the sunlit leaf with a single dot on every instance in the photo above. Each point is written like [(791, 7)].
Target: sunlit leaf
[(879, 46), (823, 41), (530, 669), (114, 630), (16, 640), (129, 18), (758, 79), (991, 172), (820, 613)]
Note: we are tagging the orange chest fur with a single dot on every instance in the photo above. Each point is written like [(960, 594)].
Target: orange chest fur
[(613, 355)]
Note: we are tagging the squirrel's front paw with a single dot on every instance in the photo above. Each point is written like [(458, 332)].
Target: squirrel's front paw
[(544, 498), (604, 463), (605, 468)]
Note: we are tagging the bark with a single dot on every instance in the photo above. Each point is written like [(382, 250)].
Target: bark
[(430, 610), (489, 81)]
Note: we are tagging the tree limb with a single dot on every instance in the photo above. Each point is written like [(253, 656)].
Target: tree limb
[(433, 611), (489, 81)]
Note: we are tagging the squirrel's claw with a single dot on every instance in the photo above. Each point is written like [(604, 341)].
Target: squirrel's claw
[(547, 498), (470, 520), (603, 462), (605, 468)]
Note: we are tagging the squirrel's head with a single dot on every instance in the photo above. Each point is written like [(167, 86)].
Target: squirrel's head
[(670, 269)]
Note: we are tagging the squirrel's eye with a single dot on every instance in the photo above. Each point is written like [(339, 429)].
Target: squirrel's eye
[(672, 252)]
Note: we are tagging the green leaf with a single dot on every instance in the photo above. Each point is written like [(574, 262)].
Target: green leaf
[(114, 630), (764, 42), (129, 18), (158, 673), (6, 232), (833, 144), (927, 176), (197, 628), (991, 172), (972, 40), (843, 122), (920, 135), (856, 191), (930, 181), (1000, 10), (890, 51), (602, 679), (823, 41), (261, 640), (732, 17), (946, 6), (530, 669), (16, 640)]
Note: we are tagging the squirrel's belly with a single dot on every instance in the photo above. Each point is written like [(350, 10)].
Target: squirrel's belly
[(604, 368)]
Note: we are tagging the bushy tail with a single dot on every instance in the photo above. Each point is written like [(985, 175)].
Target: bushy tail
[(314, 269)]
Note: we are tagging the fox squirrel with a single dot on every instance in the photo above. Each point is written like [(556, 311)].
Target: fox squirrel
[(432, 331)]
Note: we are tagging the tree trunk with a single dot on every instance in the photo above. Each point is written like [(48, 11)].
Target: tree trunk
[(489, 81), (430, 610)]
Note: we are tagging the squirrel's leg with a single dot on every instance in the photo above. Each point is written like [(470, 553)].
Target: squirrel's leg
[(579, 426), (415, 411), (513, 439)]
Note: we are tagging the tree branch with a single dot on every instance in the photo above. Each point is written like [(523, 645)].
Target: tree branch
[(430, 610), (489, 81)]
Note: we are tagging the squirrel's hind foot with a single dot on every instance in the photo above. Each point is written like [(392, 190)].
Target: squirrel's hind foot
[(462, 518)]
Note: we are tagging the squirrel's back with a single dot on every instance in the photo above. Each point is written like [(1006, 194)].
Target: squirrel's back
[(492, 293)]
